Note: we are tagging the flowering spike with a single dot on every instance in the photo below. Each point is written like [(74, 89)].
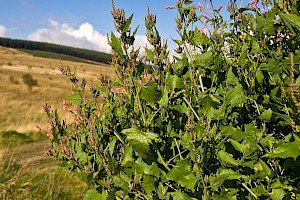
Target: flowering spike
[(220, 7)]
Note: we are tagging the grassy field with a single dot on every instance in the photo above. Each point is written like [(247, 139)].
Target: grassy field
[(58, 56), (26, 172), (21, 107)]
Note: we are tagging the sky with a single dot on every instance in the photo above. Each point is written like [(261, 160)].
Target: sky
[(82, 23)]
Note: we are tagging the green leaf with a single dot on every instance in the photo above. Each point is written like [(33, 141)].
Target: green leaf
[(120, 182), (216, 182), (274, 66), (165, 98), (135, 31), (227, 159), (263, 169), (236, 96), (139, 135), (292, 19), (75, 99), (111, 146), (266, 115), (179, 171), (242, 60), (225, 195), (188, 182), (116, 45), (230, 174), (186, 140), (148, 184), (217, 61), (298, 81), (181, 63), (268, 141), (255, 46), (203, 59), (127, 156), (234, 133), (277, 194), (139, 140), (125, 27), (199, 38), (231, 78), (259, 76), (173, 81), (286, 150), (209, 101), (266, 22), (178, 42), (150, 93), (240, 147), (152, 170), (260, 190), (80, 155), (150, 54), (92, 194), (250, 144), (180, 196)]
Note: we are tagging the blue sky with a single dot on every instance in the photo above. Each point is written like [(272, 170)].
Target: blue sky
[(81, 23)]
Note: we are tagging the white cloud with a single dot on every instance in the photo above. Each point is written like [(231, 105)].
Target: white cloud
[(3, 31), (84, 36)]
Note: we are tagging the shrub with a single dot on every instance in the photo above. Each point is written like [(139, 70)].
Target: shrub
[(29, 81), (9, 138), (219, 122)]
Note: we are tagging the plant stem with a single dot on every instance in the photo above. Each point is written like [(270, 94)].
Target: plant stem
[(161, 158), (140, 107), (250, 191), (188, 103)]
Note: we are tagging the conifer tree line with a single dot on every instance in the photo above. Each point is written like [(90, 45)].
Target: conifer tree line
[(48, 47)]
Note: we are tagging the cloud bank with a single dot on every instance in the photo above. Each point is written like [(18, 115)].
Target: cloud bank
[(3, 31), (83, 36)]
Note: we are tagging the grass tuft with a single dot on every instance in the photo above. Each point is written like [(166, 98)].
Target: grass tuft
[(27, 173), (9, 138)]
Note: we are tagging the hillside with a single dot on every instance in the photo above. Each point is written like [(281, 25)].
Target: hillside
[(56, 51), (20, 105), (26, 82)]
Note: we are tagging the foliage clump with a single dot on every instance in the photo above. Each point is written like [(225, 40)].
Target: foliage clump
[(29, 81), (221, 121)]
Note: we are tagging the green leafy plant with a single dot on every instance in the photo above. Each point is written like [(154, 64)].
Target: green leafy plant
[(218, 122)]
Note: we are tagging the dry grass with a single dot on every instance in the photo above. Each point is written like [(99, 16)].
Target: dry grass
[(31, 174), (21, 107), (27, 173)]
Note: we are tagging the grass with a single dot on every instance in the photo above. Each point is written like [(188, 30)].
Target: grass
[(52, 55), (9, 138), (26, 172), (20, 106)]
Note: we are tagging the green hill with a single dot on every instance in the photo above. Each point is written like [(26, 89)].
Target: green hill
[(48, 50)]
